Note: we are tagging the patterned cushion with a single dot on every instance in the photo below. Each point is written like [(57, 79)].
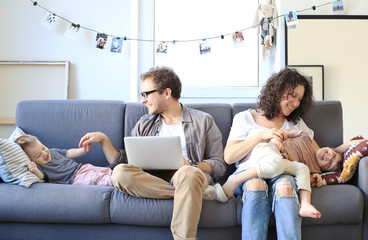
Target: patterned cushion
[(350, 164), (13, 162)]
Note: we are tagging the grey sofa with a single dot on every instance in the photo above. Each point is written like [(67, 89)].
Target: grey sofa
[(57, 211)]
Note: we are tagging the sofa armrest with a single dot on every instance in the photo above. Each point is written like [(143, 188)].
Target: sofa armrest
[(363, 186)]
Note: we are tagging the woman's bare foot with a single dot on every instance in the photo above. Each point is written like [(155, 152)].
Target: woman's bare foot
[(308, 210), (231, 185)]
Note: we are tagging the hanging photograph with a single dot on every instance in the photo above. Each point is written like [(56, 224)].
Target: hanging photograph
[(49, 20), (291, 19), (161, 48), (315, 75), (72, 31), (204, 47), (238, 39), (116, 45), (101, 40), (338, 7)]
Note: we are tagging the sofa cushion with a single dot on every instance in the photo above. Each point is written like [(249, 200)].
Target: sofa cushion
[(133, 112), (221, 113), (13, 165), (126, 209), (338, 204), (326, 121), (55, 203)]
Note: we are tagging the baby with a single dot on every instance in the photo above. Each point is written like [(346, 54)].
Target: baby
[(58, 166)]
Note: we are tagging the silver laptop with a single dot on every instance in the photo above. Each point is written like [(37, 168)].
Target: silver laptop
[(154, 153)]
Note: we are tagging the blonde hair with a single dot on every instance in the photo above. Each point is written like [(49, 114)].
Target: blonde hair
[(26, 141)]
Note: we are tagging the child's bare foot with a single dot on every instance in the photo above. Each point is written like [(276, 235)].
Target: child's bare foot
[(230, 185), (308, 210)]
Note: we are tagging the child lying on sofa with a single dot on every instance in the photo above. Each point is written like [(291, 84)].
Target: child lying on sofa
[(58, 166), (353, 150), (274, 155)]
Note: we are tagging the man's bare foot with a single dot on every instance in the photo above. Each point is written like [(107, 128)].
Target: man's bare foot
[(308, 210), (230, 185)]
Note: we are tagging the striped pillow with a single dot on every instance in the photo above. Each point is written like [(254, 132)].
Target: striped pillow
[(13, 165), (16, 133)]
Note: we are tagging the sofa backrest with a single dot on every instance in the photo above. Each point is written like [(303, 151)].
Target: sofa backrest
[(133, 112), (326, 120), (221, 112), (61, 123)]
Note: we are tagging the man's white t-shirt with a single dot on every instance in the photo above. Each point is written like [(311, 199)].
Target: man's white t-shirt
[(175, 130)]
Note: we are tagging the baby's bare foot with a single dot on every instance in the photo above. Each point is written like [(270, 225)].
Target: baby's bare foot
[(230, 185), (308, 210)]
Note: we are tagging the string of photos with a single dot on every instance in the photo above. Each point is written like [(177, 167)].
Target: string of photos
[(268, 23)]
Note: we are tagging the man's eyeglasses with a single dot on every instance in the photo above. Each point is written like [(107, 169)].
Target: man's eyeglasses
[(145, 94)]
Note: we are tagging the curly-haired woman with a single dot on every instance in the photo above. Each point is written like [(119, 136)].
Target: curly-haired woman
[(286, 96)]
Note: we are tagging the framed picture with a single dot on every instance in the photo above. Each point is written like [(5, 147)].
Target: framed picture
[(315, 75), (18, 83)]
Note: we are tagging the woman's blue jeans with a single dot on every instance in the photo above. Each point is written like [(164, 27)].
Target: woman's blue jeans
[(257, 208)]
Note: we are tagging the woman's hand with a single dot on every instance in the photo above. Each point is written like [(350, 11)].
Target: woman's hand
[(278, 144), (273, 133), (238, 149)]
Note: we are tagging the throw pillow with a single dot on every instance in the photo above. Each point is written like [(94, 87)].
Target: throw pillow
[(16, 133), (350, 164)]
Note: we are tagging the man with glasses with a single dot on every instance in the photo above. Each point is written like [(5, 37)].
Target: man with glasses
[(202, 150)]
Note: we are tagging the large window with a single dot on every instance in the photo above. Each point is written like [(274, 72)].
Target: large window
[(229, 70)]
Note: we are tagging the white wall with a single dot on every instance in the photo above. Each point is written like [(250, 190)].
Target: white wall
[(94, 73)]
